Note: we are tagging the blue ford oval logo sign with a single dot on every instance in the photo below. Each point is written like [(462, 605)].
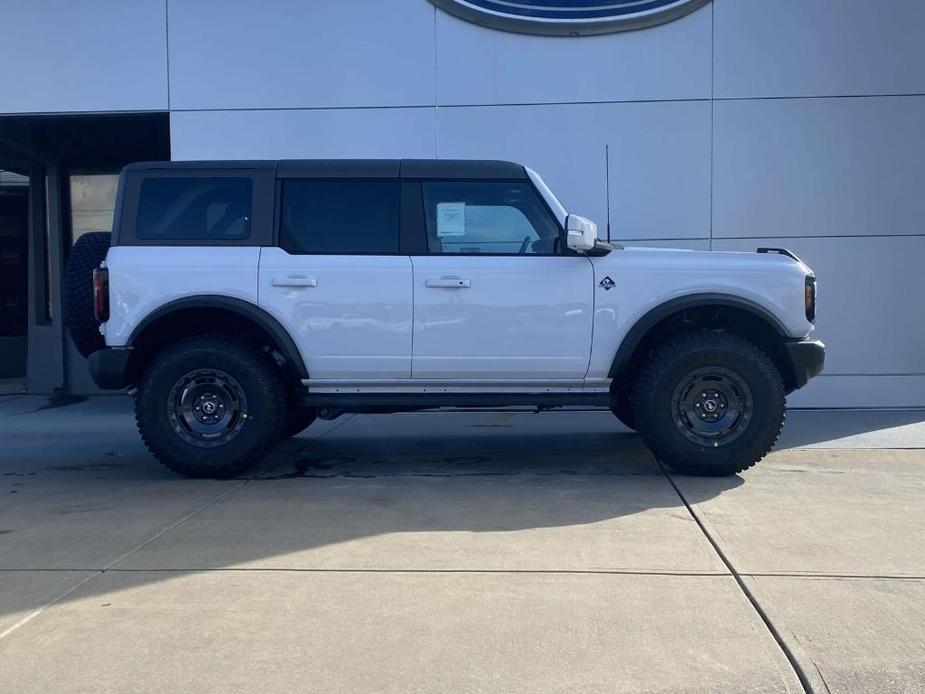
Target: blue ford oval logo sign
[(569, 17)]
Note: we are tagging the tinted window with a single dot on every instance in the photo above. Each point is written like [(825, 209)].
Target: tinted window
[(342, 217), (193, 208), (495, 217)]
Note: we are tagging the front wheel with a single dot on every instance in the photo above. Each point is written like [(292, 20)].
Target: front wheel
[(297, 420), (709, 403), (210, 406), (622, 408)]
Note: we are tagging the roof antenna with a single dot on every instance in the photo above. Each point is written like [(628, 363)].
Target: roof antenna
[(607, 184)]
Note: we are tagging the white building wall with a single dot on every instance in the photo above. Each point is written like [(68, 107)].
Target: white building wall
[(746, 123), (252, 54), (72, 56)]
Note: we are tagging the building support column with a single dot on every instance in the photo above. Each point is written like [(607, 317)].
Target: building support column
[(45, 366)]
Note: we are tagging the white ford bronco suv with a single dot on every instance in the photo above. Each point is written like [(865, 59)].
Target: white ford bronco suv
[(240, 300)]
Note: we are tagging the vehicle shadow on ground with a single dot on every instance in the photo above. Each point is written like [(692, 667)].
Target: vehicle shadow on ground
[(382, 493), (853, 429)]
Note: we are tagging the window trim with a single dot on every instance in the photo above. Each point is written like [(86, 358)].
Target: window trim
[(562, 248), (261, 231), (278, 217)]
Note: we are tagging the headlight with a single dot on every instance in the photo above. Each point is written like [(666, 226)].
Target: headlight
[(809, 291)]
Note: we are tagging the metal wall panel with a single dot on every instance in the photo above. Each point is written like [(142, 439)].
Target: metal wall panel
[(659, 158), (389, 133), (861, 392), (819, 167), (65, 56), (819, 47), (295, 54), (476, 65), (869, 291)]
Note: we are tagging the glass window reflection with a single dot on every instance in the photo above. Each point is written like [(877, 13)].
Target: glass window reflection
[(93, 199)]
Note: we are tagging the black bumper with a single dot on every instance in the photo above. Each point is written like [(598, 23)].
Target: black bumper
[(808, 358), (109, 368)]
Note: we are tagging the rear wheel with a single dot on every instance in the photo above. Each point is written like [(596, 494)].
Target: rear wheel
[(297, 420), (210, 406), (709, 403)]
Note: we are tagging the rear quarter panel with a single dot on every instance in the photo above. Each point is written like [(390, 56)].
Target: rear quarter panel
[(144, 278)]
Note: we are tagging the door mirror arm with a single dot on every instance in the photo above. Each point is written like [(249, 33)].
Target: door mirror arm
[(602, 248)]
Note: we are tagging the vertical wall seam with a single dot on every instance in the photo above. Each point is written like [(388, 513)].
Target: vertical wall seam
[(436, 102), (712, 102), (167, 56), (167, 46)]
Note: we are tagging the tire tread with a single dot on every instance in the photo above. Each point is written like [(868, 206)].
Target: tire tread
[(83, 259), (193, 462), (650, 379)]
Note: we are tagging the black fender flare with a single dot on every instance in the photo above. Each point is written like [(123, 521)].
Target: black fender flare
[(649, 320), (243, 308)]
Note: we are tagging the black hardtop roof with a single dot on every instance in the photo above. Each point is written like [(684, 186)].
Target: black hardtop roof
[(352, 168)]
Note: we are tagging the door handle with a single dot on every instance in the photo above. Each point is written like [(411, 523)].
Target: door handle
[(448, 283), (293, 281)]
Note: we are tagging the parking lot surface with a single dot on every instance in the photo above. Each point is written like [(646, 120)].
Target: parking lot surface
[(444, 552)]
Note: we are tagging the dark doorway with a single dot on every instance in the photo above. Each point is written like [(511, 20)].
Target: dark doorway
[(14, 279), (73, 163)]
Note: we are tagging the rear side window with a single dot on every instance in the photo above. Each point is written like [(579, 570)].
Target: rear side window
[(340, 217), (186, 208)]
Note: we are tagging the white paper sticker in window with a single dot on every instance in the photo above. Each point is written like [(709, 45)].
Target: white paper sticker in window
[(451, 219)]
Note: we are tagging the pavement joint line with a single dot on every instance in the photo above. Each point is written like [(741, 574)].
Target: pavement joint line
[(821, 676), (576, 572), (858, 577), (746, 591), (817, 447), (39, 610), (403, 475), (619, 572), (99, 572)]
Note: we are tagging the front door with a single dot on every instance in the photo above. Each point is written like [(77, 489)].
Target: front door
[(337, 281), (497, 304)]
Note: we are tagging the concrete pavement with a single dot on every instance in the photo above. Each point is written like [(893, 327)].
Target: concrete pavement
[(490, 552)]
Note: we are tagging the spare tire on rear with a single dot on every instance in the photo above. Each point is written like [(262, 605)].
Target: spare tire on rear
[(84, 258)]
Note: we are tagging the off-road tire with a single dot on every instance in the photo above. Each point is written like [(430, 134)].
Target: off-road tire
[(622, 408), (259, 379), (297, 420), (660, 425), (84, 258)]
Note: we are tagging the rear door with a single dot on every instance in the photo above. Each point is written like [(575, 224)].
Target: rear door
[(499, 303), (338, 282)]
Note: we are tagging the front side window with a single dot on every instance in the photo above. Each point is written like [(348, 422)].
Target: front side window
[(488, 217), (186, 208), (340, 217)]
